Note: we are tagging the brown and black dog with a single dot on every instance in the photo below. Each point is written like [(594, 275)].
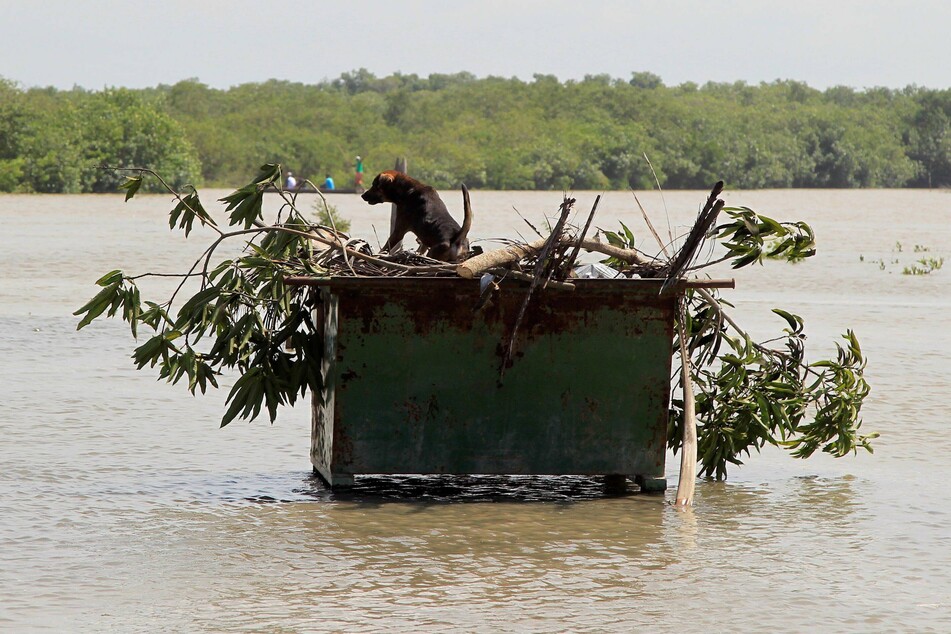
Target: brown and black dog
[(420, 209)]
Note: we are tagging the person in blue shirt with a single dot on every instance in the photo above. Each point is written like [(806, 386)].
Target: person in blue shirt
[(329, 183)]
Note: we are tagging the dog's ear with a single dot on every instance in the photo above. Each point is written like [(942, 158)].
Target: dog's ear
[(385, 177)]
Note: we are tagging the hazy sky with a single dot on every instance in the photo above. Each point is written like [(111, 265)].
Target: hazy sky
[(99, 43)]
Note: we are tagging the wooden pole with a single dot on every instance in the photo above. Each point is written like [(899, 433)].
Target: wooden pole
[(688, 446), (401, 168)]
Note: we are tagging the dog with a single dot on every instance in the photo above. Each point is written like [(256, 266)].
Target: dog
[(420, 209)]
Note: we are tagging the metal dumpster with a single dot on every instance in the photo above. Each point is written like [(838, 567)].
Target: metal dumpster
[(411, 379)]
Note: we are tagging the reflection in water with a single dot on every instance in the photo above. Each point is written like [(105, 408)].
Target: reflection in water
[(687, 528), (523, 553), (467, 488), (529, 553)]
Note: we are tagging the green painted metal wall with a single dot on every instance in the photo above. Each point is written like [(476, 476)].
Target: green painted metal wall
[(413, 382)]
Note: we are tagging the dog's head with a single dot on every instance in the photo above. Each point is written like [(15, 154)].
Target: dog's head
[(385, 188)]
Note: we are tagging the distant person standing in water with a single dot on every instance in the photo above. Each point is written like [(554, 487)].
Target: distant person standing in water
[(291, 181), (329, 183), (358, 177)]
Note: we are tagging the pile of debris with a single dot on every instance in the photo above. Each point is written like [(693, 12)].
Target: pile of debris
[(548, 261)]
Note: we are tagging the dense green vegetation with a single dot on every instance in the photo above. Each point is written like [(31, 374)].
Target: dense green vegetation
[(55, 141), (490, 133)]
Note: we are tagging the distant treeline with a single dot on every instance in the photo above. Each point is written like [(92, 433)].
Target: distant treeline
[(489, 133)]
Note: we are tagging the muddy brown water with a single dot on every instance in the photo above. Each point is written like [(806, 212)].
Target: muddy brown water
[(124, 508)]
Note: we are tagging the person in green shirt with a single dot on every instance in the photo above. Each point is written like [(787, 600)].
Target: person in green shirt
[(358, 177)]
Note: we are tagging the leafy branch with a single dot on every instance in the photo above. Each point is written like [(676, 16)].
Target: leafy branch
[(243, 317), (750, 237), (750, 394)]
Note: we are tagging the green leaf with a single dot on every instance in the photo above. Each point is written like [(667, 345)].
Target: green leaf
[(747, 259), (768, 225), (613, 239), (184, 213), (629, 234), (245, 204), (245, 207), (98, 304), (131, 185), (109, 278), (794, 321)]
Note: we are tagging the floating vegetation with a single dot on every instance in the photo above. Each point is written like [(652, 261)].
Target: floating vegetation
[(924, 266)]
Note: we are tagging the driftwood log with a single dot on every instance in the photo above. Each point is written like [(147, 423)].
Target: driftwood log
[(476, 266)]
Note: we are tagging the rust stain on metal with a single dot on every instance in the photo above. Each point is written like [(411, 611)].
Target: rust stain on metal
[(589, 413), (413, 411), (450, 303), (343, 446), (432, 408)]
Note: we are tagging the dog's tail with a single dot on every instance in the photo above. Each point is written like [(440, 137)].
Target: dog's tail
[(467, 217)]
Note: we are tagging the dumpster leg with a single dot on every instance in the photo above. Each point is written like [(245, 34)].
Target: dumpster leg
[(651, 484), (615, 483), (341, 481), (334, 480)]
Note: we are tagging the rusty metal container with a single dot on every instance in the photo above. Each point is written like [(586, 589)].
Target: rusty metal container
[(411, 379)]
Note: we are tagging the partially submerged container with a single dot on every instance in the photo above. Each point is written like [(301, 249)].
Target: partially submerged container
[(412, 379)]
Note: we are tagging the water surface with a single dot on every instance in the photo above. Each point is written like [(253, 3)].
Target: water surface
[(124, 508)]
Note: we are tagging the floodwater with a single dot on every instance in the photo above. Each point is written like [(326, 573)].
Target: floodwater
[(123, 506)]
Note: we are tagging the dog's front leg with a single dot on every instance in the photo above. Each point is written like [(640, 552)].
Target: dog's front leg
[(401, 226), (397, 235), (421, 248)]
